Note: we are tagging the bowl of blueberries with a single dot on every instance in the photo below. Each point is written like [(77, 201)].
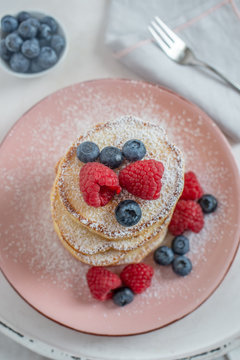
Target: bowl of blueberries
[(31, 43)]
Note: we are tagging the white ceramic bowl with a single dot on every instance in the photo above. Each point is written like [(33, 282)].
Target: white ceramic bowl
[(4, 65)]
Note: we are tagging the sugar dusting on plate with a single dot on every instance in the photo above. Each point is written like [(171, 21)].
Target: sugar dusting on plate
[(26, 184)]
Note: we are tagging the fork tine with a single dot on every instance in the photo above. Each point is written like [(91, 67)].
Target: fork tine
[(168, 31), (160, 42), (162, 34)]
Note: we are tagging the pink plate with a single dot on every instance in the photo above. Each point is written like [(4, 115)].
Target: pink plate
[(32, 258)]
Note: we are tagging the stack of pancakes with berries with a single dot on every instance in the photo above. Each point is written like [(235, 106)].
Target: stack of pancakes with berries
[(115, 192)]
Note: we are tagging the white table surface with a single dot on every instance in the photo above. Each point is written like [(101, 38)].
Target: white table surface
[(87, 58)]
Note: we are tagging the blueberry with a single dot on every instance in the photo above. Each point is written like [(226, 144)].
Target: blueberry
[(57, 43), (180, 245), (34, 22), (51, 23), (5, 54), (43, 42), (47, 57), (27, 30), (128, 213), (134, 150), (34, 66), (87, 151), (45, 32), (123, 296), (19, 63), (111, 157), (182, 265), (13, 42), (9, 24), (31, 48), (163, 255), (23, 15), (208, 203)]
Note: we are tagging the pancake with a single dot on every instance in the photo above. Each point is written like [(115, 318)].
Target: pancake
[(88, 243), (115, 257), (102, 220)]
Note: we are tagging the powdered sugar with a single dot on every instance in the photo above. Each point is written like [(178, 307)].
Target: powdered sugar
[(27, 173)]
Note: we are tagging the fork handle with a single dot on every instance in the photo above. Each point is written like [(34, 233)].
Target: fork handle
[(197, 62)]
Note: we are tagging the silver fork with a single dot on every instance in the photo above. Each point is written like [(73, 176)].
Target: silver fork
[(176, 49)]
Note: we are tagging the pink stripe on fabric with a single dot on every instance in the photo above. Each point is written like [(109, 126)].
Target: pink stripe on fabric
[(201, 16), (127, 50), (141, 43), (235, 8)]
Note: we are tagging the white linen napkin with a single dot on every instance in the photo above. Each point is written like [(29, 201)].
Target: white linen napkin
[(211, 28)]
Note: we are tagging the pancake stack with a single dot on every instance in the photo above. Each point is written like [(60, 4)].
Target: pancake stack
[(93, 235)]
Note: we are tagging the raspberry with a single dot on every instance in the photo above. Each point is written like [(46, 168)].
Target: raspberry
[(98, 184), (187, 216), (101, 282), (137, 277), (143, 179), (192, 189)]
